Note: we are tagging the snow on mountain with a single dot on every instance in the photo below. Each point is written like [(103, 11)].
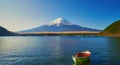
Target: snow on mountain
[(59, 25), (60, 21)]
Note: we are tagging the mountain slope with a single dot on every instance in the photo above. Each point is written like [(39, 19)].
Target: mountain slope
[(114, 28), (59, 25), (5, 32)]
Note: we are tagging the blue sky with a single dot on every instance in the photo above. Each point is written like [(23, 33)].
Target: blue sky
[(18, 15)]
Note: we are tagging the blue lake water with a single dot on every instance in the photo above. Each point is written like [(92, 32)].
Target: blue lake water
[(57, 50)]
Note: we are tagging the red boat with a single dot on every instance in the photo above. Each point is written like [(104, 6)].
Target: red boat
[(81, 57)]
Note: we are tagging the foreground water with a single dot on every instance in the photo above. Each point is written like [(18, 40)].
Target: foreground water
[(57, 50)]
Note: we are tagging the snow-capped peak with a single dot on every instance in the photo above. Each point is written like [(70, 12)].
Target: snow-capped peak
[(60, 21)]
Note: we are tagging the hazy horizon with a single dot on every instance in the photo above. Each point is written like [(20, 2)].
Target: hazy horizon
[(25, 14)]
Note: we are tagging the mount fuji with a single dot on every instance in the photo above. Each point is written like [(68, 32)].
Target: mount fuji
[(59, 25)]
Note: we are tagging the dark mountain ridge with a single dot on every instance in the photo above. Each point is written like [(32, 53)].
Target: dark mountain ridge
[(5, 32)]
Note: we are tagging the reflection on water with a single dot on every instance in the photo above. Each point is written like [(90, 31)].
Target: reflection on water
[(57, 50)]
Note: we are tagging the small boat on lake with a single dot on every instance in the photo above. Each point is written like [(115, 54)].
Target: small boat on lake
[(81, 57)]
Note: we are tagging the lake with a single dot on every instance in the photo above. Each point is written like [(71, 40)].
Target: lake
[(57, 50)]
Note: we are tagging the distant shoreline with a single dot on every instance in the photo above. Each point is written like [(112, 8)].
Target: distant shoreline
[(84, 33), (67, 33)]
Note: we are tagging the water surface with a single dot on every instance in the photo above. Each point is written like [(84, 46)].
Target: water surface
[(57, 50)]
